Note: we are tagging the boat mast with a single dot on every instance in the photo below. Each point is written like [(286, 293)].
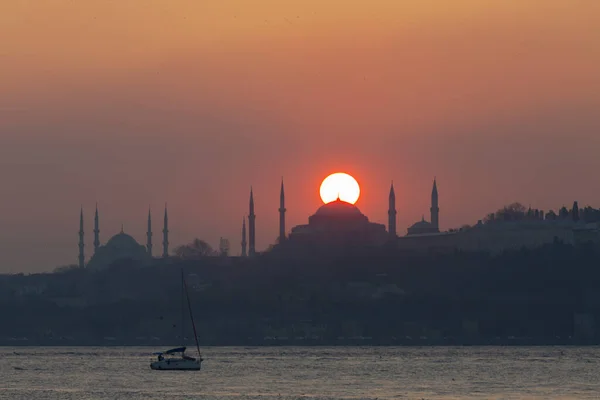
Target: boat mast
[(187, 294), (182, 308)]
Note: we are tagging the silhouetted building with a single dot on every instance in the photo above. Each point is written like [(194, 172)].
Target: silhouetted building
[(281, 214), (339, 223), (563, 213), (166, 235), (251, 227), (244, 254), (435, 210), (423, 226), (96, 230), (121, 246), (392, 212), (81, 242), (575, 212), (223, 247), (149, 234)]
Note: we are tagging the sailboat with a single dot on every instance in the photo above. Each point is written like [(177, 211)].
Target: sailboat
[(176, 359)]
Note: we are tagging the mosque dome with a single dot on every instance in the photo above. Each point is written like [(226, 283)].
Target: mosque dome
[(338, 223), (338, 208), (337, 215), (122, 241), (119, 247), (421, 225)]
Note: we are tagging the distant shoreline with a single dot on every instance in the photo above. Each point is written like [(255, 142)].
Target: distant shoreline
[(416, 343)]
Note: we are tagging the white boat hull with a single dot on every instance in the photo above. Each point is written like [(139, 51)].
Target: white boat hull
[(176, 365)]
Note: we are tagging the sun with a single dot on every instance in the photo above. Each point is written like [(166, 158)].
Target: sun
[(339, 185)]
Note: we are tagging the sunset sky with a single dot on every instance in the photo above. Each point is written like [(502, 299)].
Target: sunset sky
[(137, 103)]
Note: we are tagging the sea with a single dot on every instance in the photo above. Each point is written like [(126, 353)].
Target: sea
[(304, 373)]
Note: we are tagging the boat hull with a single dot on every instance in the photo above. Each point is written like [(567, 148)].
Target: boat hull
[(176, 365)]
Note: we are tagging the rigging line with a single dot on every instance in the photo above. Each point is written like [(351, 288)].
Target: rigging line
[(191, 316)]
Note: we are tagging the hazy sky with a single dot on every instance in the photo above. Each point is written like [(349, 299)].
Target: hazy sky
[(137, 103)]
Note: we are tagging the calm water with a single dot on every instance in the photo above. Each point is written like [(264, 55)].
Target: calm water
[(307, 373)]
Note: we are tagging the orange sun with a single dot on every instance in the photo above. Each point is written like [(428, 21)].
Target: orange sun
[(339, 185)]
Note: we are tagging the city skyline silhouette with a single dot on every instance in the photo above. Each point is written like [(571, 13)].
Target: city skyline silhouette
[(191, 105)]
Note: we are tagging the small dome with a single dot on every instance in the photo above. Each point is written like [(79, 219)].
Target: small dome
[(337, 208), (122, 241), (421, 225)]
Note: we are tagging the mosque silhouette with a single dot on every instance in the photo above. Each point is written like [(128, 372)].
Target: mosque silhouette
[(337, 223)]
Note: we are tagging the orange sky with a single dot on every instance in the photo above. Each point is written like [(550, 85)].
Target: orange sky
[(131, 103)]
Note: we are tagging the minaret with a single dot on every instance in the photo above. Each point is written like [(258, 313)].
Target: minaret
[(392, 212), (96, 231), (435, 210), (575, 212), (251, 226), (166, 235), (244, 254), (149, 234), (281, 214), (81, 243)]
